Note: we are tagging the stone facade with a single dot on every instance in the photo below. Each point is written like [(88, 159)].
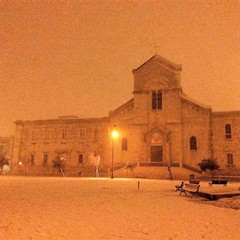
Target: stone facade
[(159, 126)]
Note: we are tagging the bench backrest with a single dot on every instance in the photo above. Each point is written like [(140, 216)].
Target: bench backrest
[(192, 187), (194, 181), (219, 181)]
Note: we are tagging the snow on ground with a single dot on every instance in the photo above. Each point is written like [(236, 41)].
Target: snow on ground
[(111, 209)]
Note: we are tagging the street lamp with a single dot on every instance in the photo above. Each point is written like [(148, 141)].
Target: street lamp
[(114, 135)]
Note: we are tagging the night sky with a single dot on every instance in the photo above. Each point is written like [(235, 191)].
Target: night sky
[(76, 57)]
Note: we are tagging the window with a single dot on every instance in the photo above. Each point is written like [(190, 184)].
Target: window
[(193, 143), (32, 159), (82, 134), (124, 144), (1, 148), (230, 159), (228, 131), (154, 97), (80, 158), (34, 135), (45, 159), (157, 99), (96, 135), (46, 134), (64, 135)]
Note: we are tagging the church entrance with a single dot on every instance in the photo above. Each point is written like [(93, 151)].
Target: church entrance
[(156, 154)]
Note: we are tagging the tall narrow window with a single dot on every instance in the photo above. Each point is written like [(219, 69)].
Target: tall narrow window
[(1, 148), (96, 135), (46, 134), (80, 158), (228, 131), (124, 144), (154, 98), (230, 159), (32, 159), (34, 135), (159, 100), (82, 134), (64, 135), (45, 159), (193, 143)]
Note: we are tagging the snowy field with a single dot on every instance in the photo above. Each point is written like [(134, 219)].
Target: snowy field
[(79, 208)]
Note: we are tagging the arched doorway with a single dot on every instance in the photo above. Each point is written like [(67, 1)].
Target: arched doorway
[(158, 150)]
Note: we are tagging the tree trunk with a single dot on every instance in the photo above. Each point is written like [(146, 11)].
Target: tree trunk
[(62, 172)]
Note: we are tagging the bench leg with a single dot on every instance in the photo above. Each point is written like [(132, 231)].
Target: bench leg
[(196, 195), (181, 191)]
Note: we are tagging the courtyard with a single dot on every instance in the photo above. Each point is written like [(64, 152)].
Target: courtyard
[(102, 208)]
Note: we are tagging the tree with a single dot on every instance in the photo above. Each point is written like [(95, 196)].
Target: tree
[(131, 166), (3, 160), (60, 163), (209, 164)]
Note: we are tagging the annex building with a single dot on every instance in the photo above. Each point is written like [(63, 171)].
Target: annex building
[(159, 127)]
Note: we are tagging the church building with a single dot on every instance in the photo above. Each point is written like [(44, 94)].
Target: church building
[(160, 129)]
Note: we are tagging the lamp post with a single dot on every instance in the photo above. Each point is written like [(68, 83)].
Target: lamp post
[(114, 135)]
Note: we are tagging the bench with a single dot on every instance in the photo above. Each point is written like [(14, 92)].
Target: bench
[(219, 181), (194, 181), (178, 187), (190, 188)]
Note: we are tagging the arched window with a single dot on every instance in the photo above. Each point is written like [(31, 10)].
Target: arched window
[(157, 99), (228, 131), (193, 143), (124, 144)]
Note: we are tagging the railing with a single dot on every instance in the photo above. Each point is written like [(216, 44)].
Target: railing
[(153, 164), (191, 168), (119, 166), (158, 164)]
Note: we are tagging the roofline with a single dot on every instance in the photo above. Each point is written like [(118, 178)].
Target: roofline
[(121, 107), (62, 120), (176, 66), (185, 98), (224, 113)]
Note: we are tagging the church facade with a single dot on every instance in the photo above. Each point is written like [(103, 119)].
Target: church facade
[(159, 127)]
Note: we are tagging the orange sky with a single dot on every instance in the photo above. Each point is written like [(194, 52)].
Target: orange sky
[(76, 57)]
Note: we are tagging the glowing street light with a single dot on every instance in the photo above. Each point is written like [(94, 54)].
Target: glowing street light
[(114, 135)]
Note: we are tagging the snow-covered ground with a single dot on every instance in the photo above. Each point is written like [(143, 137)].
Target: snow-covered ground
[(85, 208)]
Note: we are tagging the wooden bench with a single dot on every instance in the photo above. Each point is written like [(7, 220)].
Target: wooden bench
[(194, 181), (190, 188), (178, 187), (219, 181)]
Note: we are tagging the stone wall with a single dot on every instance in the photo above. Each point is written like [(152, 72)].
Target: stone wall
[(222, 145)]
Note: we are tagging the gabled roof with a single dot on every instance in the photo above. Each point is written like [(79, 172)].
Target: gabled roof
[(122, 107), (194, 102), (170, 65)]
